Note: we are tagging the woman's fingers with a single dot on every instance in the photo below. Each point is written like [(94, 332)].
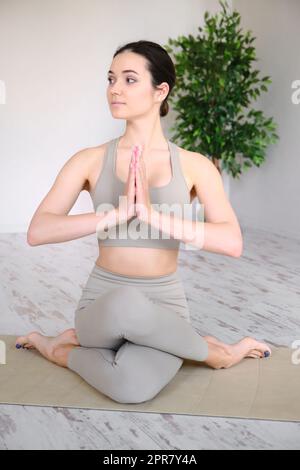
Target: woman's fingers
[(131, 180), (140, 168), (135, 180), (131, 187)]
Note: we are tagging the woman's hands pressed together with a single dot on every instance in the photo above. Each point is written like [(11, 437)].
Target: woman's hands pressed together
[(126, 208), (143, 206), (136, 198)]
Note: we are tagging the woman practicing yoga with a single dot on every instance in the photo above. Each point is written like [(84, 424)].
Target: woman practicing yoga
[(132, 323)]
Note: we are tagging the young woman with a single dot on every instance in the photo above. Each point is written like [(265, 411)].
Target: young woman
[(132, 324)]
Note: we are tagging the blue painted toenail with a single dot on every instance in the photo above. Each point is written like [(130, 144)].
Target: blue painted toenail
[(266, 353), (18, 346)]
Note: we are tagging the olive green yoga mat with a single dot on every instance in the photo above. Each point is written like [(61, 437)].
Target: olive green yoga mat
[(266, 388)]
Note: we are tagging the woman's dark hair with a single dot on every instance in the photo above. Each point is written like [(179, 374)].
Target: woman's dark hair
[(158, 63)]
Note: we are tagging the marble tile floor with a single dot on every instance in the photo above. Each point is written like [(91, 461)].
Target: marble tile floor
[(255, 295)]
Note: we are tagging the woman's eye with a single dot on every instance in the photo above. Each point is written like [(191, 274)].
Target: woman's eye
[(128, 78)]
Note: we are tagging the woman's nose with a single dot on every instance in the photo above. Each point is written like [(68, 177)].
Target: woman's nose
[(114, 90)]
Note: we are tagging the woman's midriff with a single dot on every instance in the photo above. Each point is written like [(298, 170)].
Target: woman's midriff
[(137, 261), (134, 261)]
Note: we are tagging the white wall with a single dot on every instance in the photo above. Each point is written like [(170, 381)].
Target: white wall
[(268, 197), (54, 58)]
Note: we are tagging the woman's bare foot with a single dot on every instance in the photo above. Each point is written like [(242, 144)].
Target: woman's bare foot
[(53, 348), (255, 353), (222, 355)]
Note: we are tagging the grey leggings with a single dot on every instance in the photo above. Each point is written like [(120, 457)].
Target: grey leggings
[(134, 333)]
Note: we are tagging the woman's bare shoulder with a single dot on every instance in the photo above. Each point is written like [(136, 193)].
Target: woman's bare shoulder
[(190, 156), (191, 161), (93, 157), (192, 164)]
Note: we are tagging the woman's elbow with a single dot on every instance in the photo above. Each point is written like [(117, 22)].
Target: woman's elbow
[(31, 240), (237, 251)]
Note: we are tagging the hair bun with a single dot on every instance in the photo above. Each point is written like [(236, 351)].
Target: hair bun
[(164, 109)]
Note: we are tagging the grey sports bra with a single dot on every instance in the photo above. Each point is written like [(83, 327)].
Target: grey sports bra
[(134, 232)]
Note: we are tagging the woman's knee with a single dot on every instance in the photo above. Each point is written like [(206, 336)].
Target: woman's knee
[(131, 393), (138, 387)]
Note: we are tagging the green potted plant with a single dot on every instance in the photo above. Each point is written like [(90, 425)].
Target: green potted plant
[(213, 93)]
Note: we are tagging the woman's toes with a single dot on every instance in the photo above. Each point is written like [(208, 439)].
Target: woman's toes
[(255, 353), (265, 349), (253, 344), (25, 342), (28, 346), (21, 341)]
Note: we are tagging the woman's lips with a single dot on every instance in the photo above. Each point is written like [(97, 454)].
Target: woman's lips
[(117, 103)]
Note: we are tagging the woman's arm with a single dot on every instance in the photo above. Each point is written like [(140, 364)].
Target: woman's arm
[(218, 237), (55, 228), (51, 222), (220, 233)]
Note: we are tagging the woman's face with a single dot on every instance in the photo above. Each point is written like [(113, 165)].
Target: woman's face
[(131, 88)]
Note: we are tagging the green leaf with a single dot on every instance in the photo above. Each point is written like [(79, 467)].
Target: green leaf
[(215, 92)]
